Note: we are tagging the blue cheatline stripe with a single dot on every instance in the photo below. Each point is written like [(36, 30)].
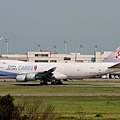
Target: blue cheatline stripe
[(4, 73)]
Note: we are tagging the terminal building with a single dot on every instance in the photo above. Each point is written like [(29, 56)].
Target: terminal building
[(47, 56)]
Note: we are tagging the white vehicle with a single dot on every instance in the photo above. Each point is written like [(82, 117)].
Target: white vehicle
[(54, 72)]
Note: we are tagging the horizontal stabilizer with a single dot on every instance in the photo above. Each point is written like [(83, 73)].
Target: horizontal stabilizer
[(115, 66)]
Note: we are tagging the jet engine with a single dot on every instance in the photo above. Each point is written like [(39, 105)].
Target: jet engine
[(59, 76), (26, 77), (21, 78)]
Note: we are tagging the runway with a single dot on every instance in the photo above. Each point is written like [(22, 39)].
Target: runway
[(74, 84)]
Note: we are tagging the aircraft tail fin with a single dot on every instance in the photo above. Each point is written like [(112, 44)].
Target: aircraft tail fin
[(114, 56)]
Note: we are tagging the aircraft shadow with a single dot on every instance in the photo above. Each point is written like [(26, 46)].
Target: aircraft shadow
[(27, 84), (59, 85)]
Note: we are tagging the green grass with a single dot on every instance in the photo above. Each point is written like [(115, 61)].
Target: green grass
[(103, 107), (107, 107), (65, 89)]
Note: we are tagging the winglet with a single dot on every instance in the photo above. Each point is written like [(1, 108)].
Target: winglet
[(52, 69), (114, 56)]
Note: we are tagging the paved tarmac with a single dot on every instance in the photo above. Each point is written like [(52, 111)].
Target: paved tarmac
[(93, 84)]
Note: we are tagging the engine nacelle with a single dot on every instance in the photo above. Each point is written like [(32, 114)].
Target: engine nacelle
[(21, 78), (26, 77), (30, 77), (59, 76)]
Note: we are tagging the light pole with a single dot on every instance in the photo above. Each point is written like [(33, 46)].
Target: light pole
[(7, 41), (95, 48), (65, 42), (1, 38), (81, 47), (55, 48), (39, 47)]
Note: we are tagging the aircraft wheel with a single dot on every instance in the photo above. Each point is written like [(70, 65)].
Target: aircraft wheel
[(43, 83), (60, 82), (56, 82), (53, 83)]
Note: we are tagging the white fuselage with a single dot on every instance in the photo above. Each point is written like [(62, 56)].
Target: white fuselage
[(9, 68)]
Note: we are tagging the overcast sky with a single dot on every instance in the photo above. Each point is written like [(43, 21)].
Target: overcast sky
[(28, 23)]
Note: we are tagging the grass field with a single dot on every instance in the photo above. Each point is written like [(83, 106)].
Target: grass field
[(104, 107)]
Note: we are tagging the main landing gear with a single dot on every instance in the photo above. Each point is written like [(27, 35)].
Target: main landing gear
[(53, 81), (58, 82), (43, 83)]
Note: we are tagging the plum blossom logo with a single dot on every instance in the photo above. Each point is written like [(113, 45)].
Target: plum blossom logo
[(117, 53), (35, 67)]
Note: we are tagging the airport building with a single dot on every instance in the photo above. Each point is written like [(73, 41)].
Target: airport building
[(47, 56)]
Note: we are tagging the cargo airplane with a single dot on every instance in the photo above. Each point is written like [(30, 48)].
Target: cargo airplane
[(54, 72)]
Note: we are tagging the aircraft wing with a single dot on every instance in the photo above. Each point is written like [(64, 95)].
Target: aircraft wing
[(39, 75), (45, 76), (115, 66)]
